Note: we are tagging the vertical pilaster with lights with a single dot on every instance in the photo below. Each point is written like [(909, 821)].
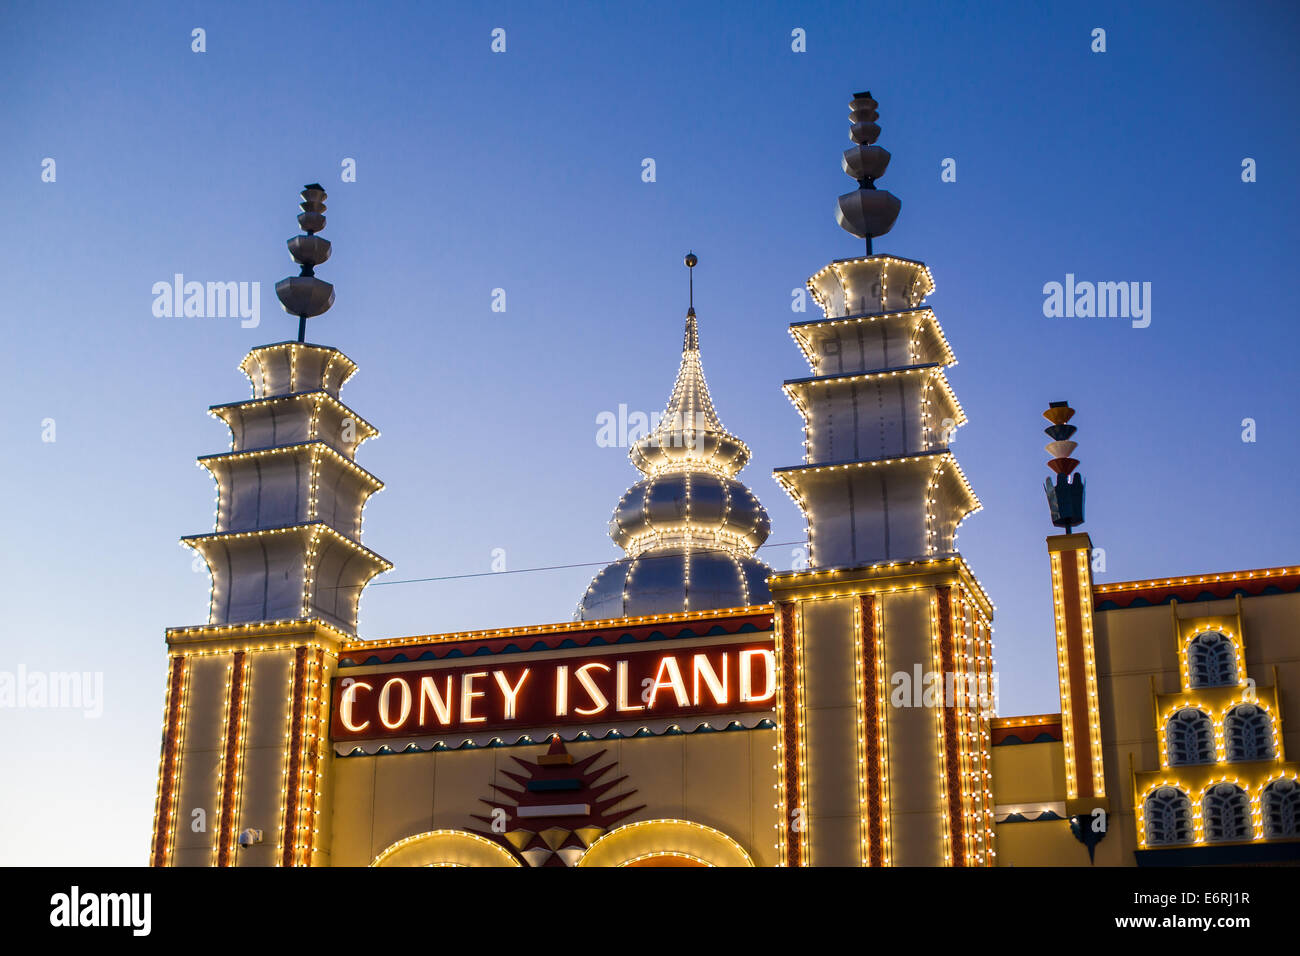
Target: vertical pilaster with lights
[(872, 773), (1070, 555), (244, 766)]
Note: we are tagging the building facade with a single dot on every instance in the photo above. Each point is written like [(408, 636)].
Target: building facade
[(702, 709), (1187, 757)]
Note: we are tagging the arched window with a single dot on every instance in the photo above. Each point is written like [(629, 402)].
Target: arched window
[(1189, 735), (1226, 812), (1249, 733), (1168, 815), (1282, 809), (1211, 660)]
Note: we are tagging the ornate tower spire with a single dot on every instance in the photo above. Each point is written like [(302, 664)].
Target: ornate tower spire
[(304, 295), (867, 211), (878, 482), (287, 544), (288, 568), (887, 589), (689, 527)]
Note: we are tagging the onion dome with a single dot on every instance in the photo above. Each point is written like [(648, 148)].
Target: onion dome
[(1065, 497), (867, 211), (689, 527), (304, 295), (652, 514)]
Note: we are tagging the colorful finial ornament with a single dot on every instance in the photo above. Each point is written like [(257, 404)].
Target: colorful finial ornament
[(1065, 498), (867, 211), (304, 295)]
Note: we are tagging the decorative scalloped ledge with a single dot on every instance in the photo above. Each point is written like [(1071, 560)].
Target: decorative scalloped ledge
[(535, 738)]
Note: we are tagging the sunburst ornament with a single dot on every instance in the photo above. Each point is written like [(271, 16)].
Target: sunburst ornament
[(556, 808)]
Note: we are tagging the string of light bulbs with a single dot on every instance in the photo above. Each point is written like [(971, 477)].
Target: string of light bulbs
[(552, 567)]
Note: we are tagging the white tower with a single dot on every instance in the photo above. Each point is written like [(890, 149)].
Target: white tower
[(245, 726), (894, 779), (287, 543)]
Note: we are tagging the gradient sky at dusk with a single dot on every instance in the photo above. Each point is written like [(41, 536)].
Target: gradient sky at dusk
[(522, 171)]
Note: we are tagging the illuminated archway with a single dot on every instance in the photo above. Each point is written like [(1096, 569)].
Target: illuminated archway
[(445, 848), (665, 843), (666, 860)]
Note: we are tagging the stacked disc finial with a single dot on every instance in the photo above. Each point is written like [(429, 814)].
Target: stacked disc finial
[(304, 295), (1065, 496), (867, 211)]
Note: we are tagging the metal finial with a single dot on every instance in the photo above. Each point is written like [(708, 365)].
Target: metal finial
[(691, 342), (868, 211), (304, 295), (691, 261)]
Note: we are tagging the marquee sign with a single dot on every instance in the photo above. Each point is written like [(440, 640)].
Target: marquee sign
[(605, 688)]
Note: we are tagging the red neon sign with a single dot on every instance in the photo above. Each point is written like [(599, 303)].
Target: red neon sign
[(498, 694)]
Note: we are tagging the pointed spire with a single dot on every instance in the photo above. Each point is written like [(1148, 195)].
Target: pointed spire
[(867, 211), (304, 295), (689, 433), (690, 528), (691, 341)]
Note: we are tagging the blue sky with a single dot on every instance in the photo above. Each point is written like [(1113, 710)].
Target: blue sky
[(522, 171)]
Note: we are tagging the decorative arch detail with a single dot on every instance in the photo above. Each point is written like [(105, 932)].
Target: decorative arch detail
[(445, 848), (1212, 660), (665, 843), (1189, 736), (1167, 814), (1282, 809), (1225, 812), (1248, 730)]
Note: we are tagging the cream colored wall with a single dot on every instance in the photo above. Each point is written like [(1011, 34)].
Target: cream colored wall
[(1132, 647), (1030, 774), (725, 780), (1047, 843)]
